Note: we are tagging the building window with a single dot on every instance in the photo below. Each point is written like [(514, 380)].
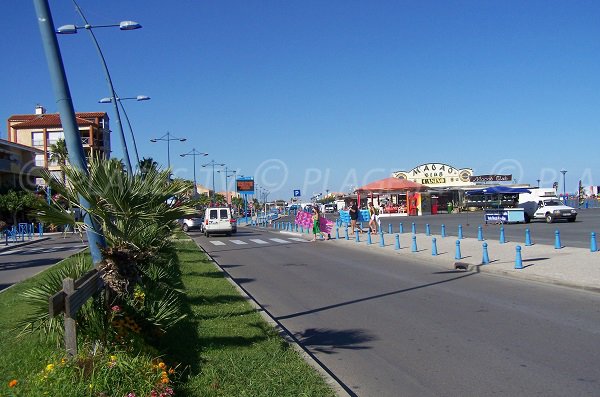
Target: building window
[(39, 160), (54, 136), (37, 138)]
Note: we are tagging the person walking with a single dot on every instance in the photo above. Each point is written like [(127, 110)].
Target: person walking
[(353, 216), (316, 228), (372, 218)]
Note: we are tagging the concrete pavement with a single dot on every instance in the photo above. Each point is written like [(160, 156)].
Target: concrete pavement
[(568, 266)]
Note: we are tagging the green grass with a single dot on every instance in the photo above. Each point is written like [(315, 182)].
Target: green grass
[(223, 347)]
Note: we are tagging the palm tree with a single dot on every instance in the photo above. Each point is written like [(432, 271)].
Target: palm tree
[(146, 164), (59, 154)]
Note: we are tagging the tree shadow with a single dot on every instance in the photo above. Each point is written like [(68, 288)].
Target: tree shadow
[(328, 341), (28, 264)]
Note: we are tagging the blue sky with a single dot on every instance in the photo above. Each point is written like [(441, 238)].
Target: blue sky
[(328, 95)]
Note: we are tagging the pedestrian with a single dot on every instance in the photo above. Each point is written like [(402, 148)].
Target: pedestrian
[(316, 228), (372, 218), (353, 216)]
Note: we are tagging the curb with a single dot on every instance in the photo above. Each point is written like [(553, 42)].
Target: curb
[(22, 244)]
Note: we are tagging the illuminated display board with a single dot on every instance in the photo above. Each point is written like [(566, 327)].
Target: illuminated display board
[(245, 186)]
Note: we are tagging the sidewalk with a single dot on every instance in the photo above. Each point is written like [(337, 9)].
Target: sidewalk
[(21, 243), (571, 267)]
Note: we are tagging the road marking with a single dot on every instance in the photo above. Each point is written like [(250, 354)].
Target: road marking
[(258, 241), (298, 239), (216, 242), (238, 242), (278, 240)]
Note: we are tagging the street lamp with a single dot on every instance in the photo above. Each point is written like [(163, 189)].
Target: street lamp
[(194, 153), (120, 101), (227, 175), (564, 183), (538, 181), (212, 163), (64, 102), (124, 25), (168, 137)]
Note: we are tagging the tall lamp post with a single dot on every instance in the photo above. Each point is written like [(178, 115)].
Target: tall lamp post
[(64, 102), (538, 181), (213, 163), (124, 25), (227, 175), (563, 172), (120, 101), (168, 138), (194, 153)]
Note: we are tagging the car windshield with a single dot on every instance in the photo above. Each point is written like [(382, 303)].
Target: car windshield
[(552, 202)]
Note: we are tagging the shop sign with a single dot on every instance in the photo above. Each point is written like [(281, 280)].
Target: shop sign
[(491, 178), (437, 174)]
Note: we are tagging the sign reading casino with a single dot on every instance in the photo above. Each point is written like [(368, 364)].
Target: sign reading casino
[(437, 175)]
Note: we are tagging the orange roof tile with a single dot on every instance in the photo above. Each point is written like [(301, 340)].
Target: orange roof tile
[(53, 119)]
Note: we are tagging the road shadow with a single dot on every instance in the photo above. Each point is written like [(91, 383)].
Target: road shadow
[(328, 341), (28, 264), (535, 259)]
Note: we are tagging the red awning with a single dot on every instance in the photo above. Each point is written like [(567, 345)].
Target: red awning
[(392, 184)]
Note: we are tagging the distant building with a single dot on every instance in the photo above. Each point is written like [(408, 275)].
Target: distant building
[(41, 130), (17, 165)]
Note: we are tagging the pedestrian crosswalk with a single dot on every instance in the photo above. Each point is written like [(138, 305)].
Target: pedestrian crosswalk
[(257, 241)]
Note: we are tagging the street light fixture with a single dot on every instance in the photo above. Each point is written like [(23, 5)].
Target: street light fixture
[(227, 175), (168, 137), (124, 25), (563, 172), (213, 163), (120, 101), (194, 153)]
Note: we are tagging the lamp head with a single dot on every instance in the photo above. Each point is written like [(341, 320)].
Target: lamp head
[(153, 140), (142, 98), (129, 25), (67, 29), (105, 100)]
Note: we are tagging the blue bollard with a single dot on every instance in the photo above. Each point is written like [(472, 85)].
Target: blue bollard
[(433, 247), (414, 244), (479, 233), (527, 238), (414, 228), (486, 258), (401, 228), (457, 254), (460, 232), (369, 242), (357, 239), (337, 233), (347, 236), (381, 242), (557, 244), (397, 241), (593, 246), (502, 239), (389, 228), (40, 229), (443, 230), (427, 230), (518, 259)]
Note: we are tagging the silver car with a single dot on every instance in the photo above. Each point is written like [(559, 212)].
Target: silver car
[(191, 222)]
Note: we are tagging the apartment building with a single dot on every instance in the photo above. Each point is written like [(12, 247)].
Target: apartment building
[(41, 130), (17, 165)]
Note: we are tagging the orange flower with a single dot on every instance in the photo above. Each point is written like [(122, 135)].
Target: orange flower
[(165, 380), (12, 383), (161, 365)]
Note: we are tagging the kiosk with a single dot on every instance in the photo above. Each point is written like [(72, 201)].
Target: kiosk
[(501, 214)]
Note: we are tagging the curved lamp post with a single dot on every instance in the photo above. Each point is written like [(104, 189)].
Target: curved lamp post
[(124, 25), (67, 116), (194, 153), (120, 101), (213, 163), (168, 137)]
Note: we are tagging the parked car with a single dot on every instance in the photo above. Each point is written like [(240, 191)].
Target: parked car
[(218, 220), (191, 222), (330, 208)]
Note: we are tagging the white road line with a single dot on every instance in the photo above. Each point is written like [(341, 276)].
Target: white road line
[(258, 241), (278, 240), (217, 242), (298, 239), (238, 242)]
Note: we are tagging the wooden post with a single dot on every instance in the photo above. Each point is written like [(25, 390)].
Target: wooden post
[(70, 331)]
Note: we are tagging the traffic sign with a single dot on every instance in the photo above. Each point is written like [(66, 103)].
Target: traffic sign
[(297, 193)]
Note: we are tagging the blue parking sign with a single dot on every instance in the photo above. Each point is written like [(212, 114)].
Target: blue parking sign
[(297, 193)]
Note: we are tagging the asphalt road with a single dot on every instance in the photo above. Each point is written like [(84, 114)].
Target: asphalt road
[(385, 326), (20, 263)]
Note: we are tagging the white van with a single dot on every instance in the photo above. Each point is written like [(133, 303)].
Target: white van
[(218, 220), (543, 204)]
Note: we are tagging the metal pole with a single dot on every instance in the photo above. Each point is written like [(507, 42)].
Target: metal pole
[(67, 115), (137, 157), (111, 89)]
